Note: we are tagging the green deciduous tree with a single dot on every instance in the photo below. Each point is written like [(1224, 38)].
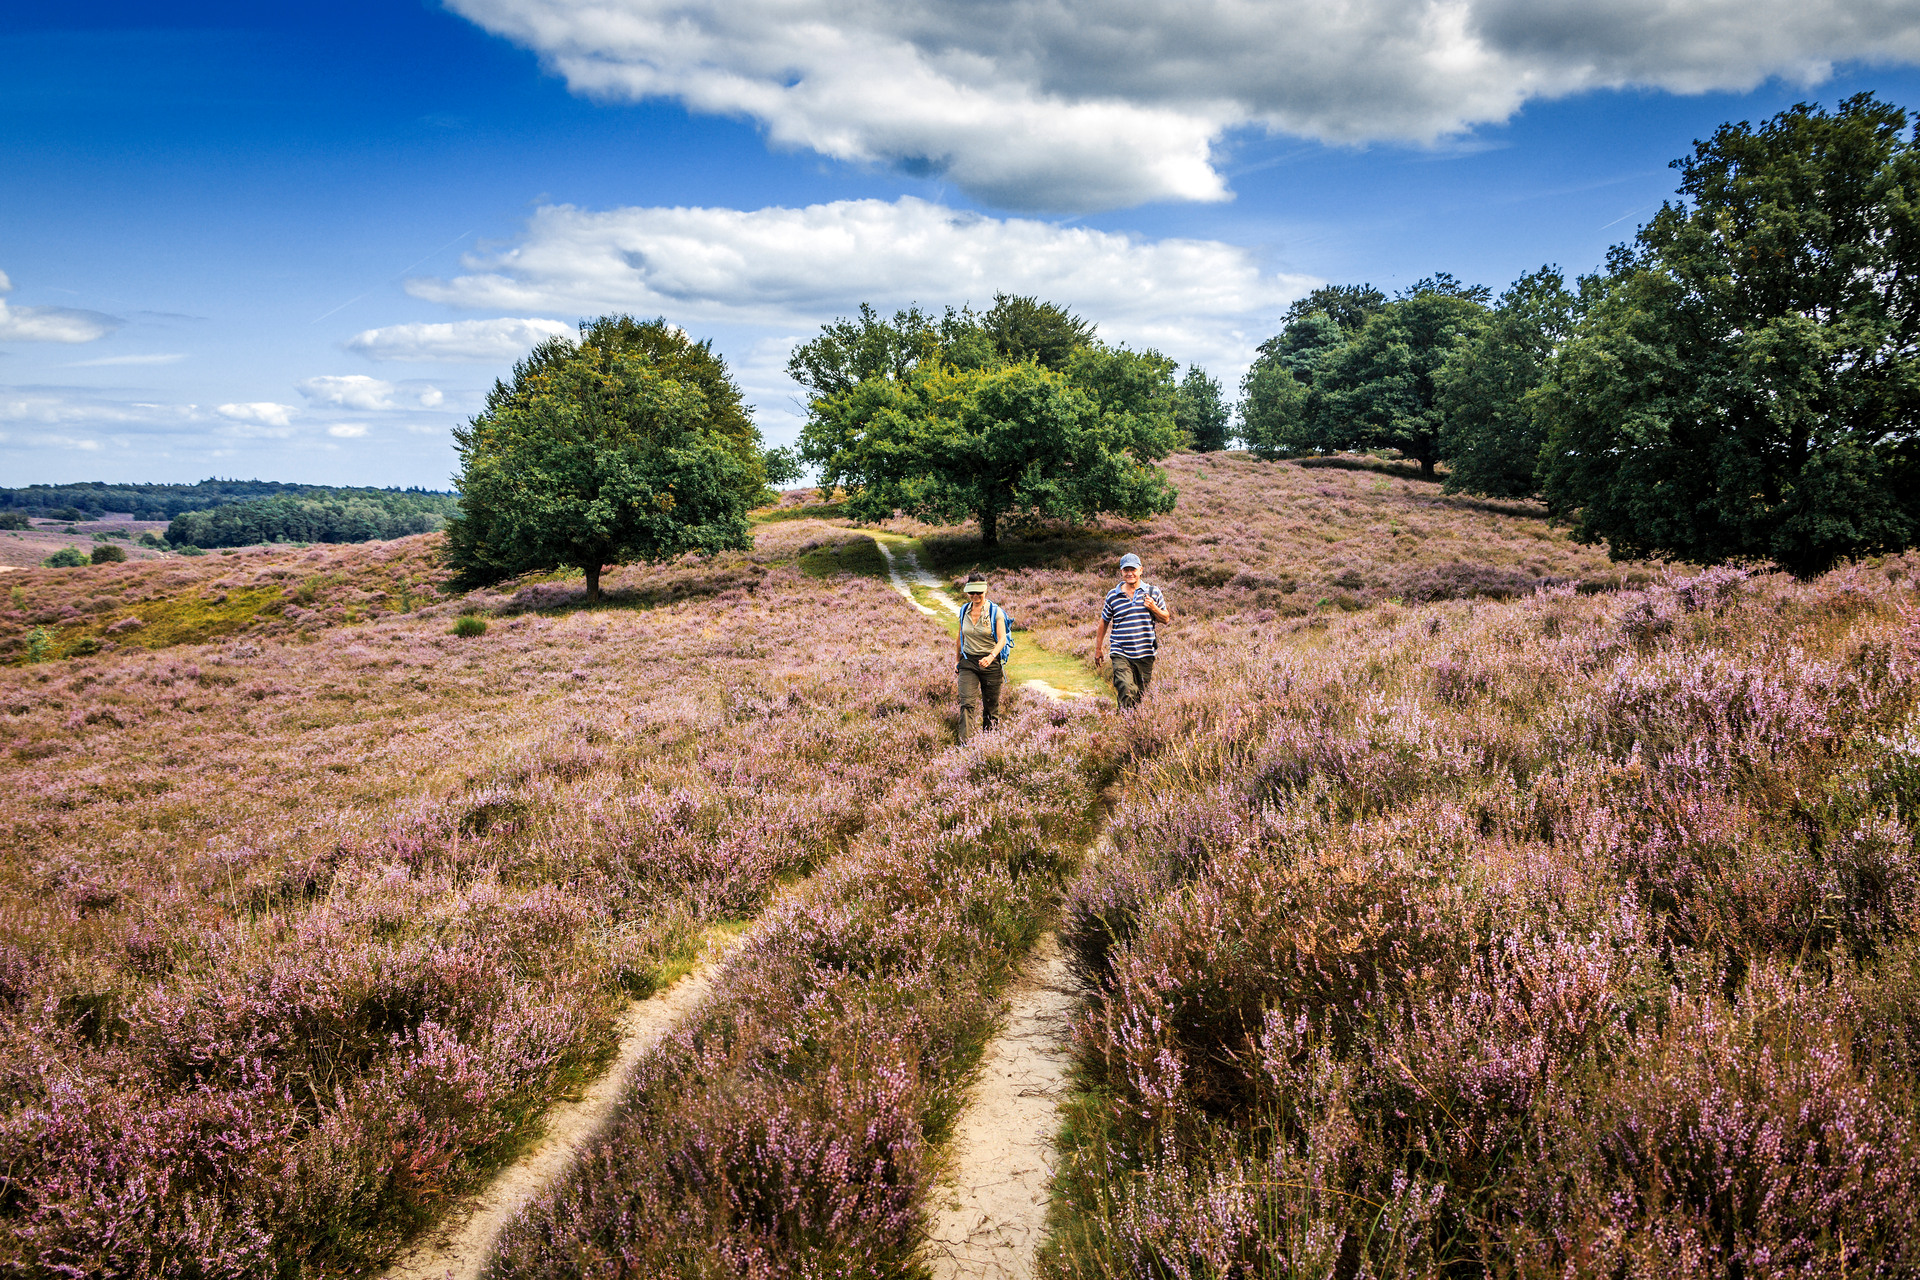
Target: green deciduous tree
[(1282, 412), (966, 430), (628, 445), (1347, 305), (1379, 392), (1025, 328), (1200, 413), (1745, 382), (1491, 429)]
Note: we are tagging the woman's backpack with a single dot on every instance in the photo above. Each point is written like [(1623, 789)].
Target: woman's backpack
[(994, 612)]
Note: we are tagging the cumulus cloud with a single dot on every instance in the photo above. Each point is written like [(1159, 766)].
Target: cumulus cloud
[(488, 341), (50, 324), (263, 413), (781, 272), (347, 391), (781, 266), (347, 430), (1087, 104), (359, 392)]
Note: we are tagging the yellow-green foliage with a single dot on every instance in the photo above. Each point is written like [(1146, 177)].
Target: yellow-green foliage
[(153, 604), (192, 618)]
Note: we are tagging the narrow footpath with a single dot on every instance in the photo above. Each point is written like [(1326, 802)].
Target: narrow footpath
[(989, 1212), (461, 1245), (1049, 674)]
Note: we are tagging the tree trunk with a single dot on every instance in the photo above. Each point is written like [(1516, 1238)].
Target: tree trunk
[(989, 528), (1426, 468), (593, 583)]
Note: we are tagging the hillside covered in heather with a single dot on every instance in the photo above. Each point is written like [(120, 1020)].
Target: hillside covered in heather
[(1459, 903)]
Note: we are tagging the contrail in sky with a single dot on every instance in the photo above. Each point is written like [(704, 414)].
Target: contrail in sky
[(403, 271)]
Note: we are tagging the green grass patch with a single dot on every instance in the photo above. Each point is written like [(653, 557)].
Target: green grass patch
[(857, 554), (187, 619), (818, 511)]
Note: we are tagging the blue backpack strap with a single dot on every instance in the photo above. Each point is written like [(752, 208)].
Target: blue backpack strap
[(999, 618)]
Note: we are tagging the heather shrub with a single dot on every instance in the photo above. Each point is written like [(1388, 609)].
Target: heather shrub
[(1570, 935), (257, 904), (786, 1132), (468, 624)]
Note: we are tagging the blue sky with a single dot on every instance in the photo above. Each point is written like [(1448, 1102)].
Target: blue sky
[(300, 244)]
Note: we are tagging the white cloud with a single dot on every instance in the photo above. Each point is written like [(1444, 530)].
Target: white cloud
[(488, 341), (169, 357), (1086, 104), (50, 324), (786, 266), (347, 430), (64, 406), (367, 395), (780, 273), (347, 391), (261, 412)]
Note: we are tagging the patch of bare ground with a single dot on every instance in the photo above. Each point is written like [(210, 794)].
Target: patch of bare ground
[(459, 1248), (989, 1211)]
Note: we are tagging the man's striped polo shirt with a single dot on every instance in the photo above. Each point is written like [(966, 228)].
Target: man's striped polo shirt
[(1131, 633)]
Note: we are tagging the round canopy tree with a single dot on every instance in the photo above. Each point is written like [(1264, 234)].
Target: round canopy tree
[(1746, 379), (628, 445)]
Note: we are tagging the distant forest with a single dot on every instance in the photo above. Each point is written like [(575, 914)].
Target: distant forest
[(165, 501), (236, 513), (361, 516)]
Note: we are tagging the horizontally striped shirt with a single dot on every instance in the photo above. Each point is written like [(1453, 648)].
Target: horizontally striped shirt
[(1130, 627)]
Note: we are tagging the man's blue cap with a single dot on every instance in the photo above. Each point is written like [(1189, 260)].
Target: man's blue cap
[(1129, 561)]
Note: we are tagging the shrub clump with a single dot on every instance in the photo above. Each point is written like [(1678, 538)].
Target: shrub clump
[(1570, 936), (107, 553), (65, 558), (470, 624)]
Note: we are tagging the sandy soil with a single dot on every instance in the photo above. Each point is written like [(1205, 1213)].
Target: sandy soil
[(460, 1246), (989, 1212)]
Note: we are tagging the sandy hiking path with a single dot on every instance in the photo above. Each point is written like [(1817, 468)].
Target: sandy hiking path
[(462, 1243), (916, 586), (988, 1214)]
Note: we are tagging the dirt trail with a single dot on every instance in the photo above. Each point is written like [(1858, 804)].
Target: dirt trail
[(905, 573), (462, 1243), (989, 1212)]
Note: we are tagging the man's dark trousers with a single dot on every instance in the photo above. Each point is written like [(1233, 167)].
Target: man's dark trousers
[(1130, 679)]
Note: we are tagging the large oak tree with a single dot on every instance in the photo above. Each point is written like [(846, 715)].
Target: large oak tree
[(1015, 414), (1746, 381), (630, 444)]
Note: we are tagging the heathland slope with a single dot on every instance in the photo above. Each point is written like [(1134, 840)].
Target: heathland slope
[(1452, 893)]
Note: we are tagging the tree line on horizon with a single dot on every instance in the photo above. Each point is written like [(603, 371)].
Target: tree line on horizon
[(1738, 383), (91, 500)]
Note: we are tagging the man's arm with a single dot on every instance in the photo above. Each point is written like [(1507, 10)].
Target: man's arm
[(1100, 641), (1156, 605)]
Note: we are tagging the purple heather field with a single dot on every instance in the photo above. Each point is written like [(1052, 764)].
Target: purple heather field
[(1469, 905)]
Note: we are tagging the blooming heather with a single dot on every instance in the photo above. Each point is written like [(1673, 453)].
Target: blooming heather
[(303, 929), (1566, 936)]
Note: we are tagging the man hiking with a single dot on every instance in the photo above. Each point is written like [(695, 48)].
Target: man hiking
[(1127, 632)]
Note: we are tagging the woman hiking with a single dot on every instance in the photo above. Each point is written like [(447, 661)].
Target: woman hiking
[(980, 655)]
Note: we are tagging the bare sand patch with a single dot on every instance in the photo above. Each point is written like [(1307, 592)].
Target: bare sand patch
[(989, 1211), (460, 1246)]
